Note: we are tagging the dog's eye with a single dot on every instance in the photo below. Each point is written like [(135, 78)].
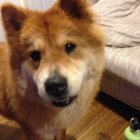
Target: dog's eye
[(70, 47), (35, 55)]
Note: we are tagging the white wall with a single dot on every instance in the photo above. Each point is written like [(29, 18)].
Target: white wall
[(1, 32), (39, 4), (17, 2)]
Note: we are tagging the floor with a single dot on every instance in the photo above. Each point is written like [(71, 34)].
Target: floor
[(106, 120)]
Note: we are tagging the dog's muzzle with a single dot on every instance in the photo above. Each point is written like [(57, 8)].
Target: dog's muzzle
[(56, 87)]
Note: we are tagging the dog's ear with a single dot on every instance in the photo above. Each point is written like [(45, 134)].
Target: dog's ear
[(76, 8), (13, 18)]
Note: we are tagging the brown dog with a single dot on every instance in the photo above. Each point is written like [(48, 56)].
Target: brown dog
[(51, 67)]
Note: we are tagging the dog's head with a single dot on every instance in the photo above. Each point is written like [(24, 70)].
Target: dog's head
[(55, 51)]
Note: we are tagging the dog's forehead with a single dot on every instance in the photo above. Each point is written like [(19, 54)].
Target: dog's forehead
[(51, 20), (47, 27)]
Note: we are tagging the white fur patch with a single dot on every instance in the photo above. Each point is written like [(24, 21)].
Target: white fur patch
[(75, 74), (40, 78)]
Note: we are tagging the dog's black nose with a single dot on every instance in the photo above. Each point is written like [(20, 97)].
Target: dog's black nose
[(56, 86)]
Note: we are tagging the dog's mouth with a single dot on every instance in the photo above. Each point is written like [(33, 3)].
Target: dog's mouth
[(63, 102)]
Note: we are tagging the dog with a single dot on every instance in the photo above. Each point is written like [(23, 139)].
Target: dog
[(51, 67)]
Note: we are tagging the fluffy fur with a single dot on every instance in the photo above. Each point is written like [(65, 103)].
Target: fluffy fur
[(22, 93)]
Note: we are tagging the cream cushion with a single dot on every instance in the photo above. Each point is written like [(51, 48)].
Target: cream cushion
[(125, 63)]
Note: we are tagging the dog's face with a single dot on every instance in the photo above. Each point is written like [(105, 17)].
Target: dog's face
[(56, 51)]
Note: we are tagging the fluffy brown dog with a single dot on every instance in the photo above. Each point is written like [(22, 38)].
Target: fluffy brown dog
[(51, 67)]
